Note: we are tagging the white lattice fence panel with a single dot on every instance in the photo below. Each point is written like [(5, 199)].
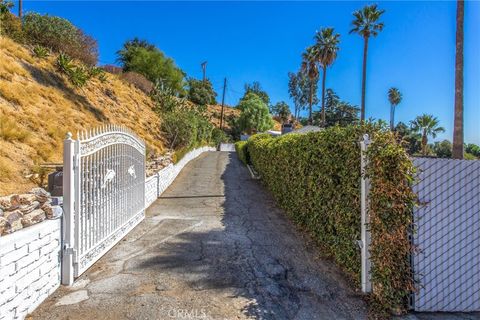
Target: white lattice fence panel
[(448, 235)]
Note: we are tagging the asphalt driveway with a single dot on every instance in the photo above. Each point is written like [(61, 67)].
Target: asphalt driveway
[(214, 246)]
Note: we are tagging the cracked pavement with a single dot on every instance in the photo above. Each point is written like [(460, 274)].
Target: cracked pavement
[(214, 246)]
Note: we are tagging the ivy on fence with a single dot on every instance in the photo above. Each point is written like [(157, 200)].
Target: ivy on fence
[(315, 177)]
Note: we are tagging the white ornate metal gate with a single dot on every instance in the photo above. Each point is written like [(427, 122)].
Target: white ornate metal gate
[(104, 194)]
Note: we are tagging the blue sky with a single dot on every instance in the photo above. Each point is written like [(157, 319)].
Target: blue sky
[(263, 41)]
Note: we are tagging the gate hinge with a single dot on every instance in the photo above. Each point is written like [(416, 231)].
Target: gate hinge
[(76, 160), (70, 251)]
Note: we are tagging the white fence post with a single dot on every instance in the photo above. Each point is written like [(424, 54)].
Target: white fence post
[(68, 208), (365, 220)]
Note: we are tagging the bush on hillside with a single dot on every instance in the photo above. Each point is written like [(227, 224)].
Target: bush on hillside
[(144, 58), (11, 26), (185, 128), (201, 92), (315, 177), (138, 81), (60, 35), (40, 52)]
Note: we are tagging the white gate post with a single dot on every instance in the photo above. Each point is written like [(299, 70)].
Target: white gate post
[(68, 208), (365, 220)]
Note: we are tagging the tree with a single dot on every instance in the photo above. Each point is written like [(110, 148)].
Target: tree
[(299, 87), (458, 121), (411, 139), (282, 110), (326, 47), (394, 97), (367, 25), (443, 149), (427, 125), (473, 149), (337, 112), (310, 68), (254, 116), (142, 57), (201, 92), (256, 88)]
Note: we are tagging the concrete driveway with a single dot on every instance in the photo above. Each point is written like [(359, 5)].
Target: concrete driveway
[(214, 246)]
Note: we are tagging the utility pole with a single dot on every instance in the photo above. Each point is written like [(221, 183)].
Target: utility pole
[(223, 102), (20, 13), (204, 69)]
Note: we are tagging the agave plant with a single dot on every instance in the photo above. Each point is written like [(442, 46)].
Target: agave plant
[(40, 52)]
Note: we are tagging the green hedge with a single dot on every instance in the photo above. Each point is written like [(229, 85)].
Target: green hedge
[(316, 177), (241, 149)]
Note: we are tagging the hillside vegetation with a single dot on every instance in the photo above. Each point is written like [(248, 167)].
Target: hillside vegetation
[(38, 105)]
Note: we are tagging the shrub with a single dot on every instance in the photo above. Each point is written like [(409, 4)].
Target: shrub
[(60, 35), (255, 115), (201, 92), (218, 136), (40, 52), (138, 81), (315, 177), (78, 75), (241, 149), (11, 26), (144, 58)]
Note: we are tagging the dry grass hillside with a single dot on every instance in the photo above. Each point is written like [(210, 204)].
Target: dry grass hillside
[(38, 106), (215, 111)]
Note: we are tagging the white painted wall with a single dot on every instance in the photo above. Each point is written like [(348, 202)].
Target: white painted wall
[(29, 268)]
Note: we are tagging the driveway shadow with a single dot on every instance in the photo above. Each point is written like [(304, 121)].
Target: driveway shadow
[(244, 249)]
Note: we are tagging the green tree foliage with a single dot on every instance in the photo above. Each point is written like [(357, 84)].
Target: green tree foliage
[(281, 110), (442, 149), (366, 24), (337, 112), (315, 177), (201, 92), (310, 69), (256, 88), (144, 58), (411, 139), (254, 116), (165, 99), (394, 97), (60, 35), (426, 125), (326, 47), (299, 87), (186, 128), (473, 149)]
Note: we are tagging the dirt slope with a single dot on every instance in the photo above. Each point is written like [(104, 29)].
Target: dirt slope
[(38, 106)]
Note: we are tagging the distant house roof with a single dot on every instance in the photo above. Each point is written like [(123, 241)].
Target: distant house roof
[(307, 129)]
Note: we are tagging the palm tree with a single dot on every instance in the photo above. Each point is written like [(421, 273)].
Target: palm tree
[(457, 150), (310, 68), (366, 24), (426, 125), (326, 47), (395, 97)]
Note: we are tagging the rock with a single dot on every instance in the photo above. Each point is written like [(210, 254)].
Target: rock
[(27, 198), (41, 195), (1, 213), (27, 208), (3, 225), (33, 217), (13, 221), (9, 203), (52, 212)]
